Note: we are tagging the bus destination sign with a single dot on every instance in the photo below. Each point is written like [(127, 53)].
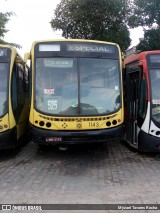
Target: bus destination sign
[(3, 52), (155, 58), (90, 48)]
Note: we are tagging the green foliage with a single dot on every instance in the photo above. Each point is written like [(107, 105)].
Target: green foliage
[(151, 40), (104, 20), (4, 18), (145, 13)]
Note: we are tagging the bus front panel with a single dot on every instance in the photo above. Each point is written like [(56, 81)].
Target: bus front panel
[(76, 87)]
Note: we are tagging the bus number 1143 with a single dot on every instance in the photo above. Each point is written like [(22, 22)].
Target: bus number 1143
[(93, 124)]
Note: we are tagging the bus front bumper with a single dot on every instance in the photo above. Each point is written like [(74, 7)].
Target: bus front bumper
[(46, 137), (148, 143)]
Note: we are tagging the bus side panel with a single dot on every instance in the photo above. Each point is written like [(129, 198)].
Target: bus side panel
[(19, 99), (8, 139)]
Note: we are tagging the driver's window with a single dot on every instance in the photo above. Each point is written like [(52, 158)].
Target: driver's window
[(142, 101)]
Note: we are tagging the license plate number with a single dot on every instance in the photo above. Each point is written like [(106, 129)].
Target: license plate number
[(53, 139)]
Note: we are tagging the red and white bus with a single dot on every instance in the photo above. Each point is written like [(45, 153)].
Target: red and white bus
[(142, 101)]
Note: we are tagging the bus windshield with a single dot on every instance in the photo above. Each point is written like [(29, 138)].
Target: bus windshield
[(77, 86), (155, 90), (3, 88)]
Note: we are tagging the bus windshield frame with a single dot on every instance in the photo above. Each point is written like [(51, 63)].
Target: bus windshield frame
[(83, 64), (153, 61), (4, 71), (5, 57)]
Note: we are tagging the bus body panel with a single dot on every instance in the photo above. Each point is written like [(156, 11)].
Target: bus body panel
[(4, 123), (76, 123), (53, 137), (146, 124), (14, 122), (23, 121), (148, 143), (8, 139)]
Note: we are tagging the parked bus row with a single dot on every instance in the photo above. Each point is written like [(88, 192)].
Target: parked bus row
[(76, 91)]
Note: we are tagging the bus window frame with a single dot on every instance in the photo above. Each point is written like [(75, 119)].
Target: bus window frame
[(151, 65), (151, 115), (78, 72), (7, 61)]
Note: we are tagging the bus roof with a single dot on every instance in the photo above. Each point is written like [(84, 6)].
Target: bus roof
[(13, 49), (74, 40), (140, 56)]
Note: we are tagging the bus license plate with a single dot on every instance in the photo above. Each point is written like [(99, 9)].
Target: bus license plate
[(53, 139)]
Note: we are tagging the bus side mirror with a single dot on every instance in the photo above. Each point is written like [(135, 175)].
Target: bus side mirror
[(123, 57), (27, 56)]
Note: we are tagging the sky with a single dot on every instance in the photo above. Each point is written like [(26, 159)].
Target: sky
[(31, 22)]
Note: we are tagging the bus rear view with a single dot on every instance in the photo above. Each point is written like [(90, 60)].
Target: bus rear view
[(76, 91)]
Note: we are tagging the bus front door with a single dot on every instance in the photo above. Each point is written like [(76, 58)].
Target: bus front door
[(132, 99)]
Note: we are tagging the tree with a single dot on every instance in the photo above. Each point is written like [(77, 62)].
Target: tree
[(4, 18), (151, 40), (93, 19), (146, 13)]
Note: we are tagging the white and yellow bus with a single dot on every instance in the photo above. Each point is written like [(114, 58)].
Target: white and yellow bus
[(14, 97), (76, 91)]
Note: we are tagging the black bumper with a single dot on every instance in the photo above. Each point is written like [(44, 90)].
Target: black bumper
[(72, 137), (8, 139), (148, 143)]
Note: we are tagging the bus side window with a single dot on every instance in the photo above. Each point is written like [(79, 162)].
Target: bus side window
[(20, 77), (20, 87), (142, 101), (14, 97), (26, 79)]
